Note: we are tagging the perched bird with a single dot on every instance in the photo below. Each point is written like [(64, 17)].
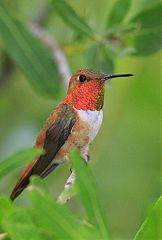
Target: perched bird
[(75, 122)]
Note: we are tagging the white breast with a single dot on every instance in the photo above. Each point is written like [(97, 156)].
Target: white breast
[(93, 119)]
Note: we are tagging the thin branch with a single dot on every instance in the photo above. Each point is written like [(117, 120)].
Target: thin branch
[(58, 55), (3, 236), (68, 191)]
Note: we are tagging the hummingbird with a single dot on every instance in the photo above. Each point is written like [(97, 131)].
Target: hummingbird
[(74, 123)]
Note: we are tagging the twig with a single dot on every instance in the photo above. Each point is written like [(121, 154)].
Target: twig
[(68, 191), (58, 55), (3, 236)]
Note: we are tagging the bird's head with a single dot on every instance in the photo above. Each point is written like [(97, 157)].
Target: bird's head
[(86, 89)]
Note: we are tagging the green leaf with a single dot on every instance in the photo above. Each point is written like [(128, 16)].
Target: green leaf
[(148, 38), (18, 160), (71, 18), (53, 217), (5, 207), (45, 219), (20, 225), (87, 193), (29, 54), (98, 57), (152, 227), (119, 12)]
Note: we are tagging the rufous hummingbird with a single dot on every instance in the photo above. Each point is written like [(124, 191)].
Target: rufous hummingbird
[(75, 122)]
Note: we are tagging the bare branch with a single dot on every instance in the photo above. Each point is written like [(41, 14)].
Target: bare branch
[(3, 236), (68, 191), (58, 55)]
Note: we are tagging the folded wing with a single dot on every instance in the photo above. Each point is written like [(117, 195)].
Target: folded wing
[(55, 137)]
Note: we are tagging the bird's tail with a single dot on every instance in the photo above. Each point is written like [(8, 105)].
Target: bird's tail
[(22, 182), (32, 169)]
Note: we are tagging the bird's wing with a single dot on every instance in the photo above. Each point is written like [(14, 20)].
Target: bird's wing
[(54, 138)]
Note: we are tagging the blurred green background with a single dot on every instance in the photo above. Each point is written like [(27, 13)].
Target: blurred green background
[(125, 156)]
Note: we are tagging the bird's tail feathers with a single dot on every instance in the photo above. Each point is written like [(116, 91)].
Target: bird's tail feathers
[(22, 182)]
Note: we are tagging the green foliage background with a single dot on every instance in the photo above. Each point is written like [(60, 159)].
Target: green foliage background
[(114, 36)]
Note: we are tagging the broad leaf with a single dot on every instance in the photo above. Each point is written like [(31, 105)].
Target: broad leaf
[(20, 225), (52, 217), (45, 219), (5, 207), (17, 160), (71, 18), (99, 58), (119, 12), (148, 38), (87, 192), (28, 53), (152, 227)]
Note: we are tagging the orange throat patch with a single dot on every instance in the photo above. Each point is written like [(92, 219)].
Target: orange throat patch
[(87, 96)]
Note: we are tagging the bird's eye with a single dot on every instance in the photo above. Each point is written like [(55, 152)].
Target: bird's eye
[(82, 78)]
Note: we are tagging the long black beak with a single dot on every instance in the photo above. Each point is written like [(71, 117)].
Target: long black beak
[(117, 75)]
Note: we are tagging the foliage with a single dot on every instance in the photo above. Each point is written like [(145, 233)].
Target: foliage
[(46, 219), (121, 34), (17, 160), (144, 32), (71, 18), (152, 227), (28, 53), (149, 30), (118, 12)]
